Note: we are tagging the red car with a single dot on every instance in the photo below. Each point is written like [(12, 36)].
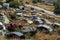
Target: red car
[(11, 26), (15, 25)]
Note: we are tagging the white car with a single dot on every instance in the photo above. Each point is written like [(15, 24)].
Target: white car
[(2, 28), (56, 25), (45, 27), (18, 15), (0, 6)]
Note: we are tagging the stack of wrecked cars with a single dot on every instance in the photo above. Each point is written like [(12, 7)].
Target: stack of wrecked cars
[(10, 27)]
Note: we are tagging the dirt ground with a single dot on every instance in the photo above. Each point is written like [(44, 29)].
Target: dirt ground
[(45, 6)]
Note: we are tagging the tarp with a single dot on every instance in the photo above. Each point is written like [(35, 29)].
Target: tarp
[(6, 20)]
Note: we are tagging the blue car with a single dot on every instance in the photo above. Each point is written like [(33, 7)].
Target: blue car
[(17, 34), (6, 5)]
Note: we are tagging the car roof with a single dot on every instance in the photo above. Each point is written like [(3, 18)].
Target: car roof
[(57, 23), (17, 33), (44, 26)]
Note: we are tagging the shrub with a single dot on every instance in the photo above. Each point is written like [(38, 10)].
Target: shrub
[(1, 3), (7, 1), (57, 7), (15, 4)]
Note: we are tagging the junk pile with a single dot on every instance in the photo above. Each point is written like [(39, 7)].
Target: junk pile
[(8, 28)]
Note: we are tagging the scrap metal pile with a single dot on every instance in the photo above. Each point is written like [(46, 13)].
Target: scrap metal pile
[(9, 28)]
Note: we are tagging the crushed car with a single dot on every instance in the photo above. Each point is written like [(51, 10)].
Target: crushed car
[(11, 26), (37, 20), (15, 34), (18, 15), (2, 29), (29, 30), (44, 28), (22, 8), (55, 25)]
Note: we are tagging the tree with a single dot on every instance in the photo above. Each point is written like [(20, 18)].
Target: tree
[(35, 1), (39, 0), (7, 1), (57, 7), (1, 3), (16, 4)]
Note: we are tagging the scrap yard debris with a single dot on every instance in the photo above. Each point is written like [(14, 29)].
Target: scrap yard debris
[(26, 22)]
